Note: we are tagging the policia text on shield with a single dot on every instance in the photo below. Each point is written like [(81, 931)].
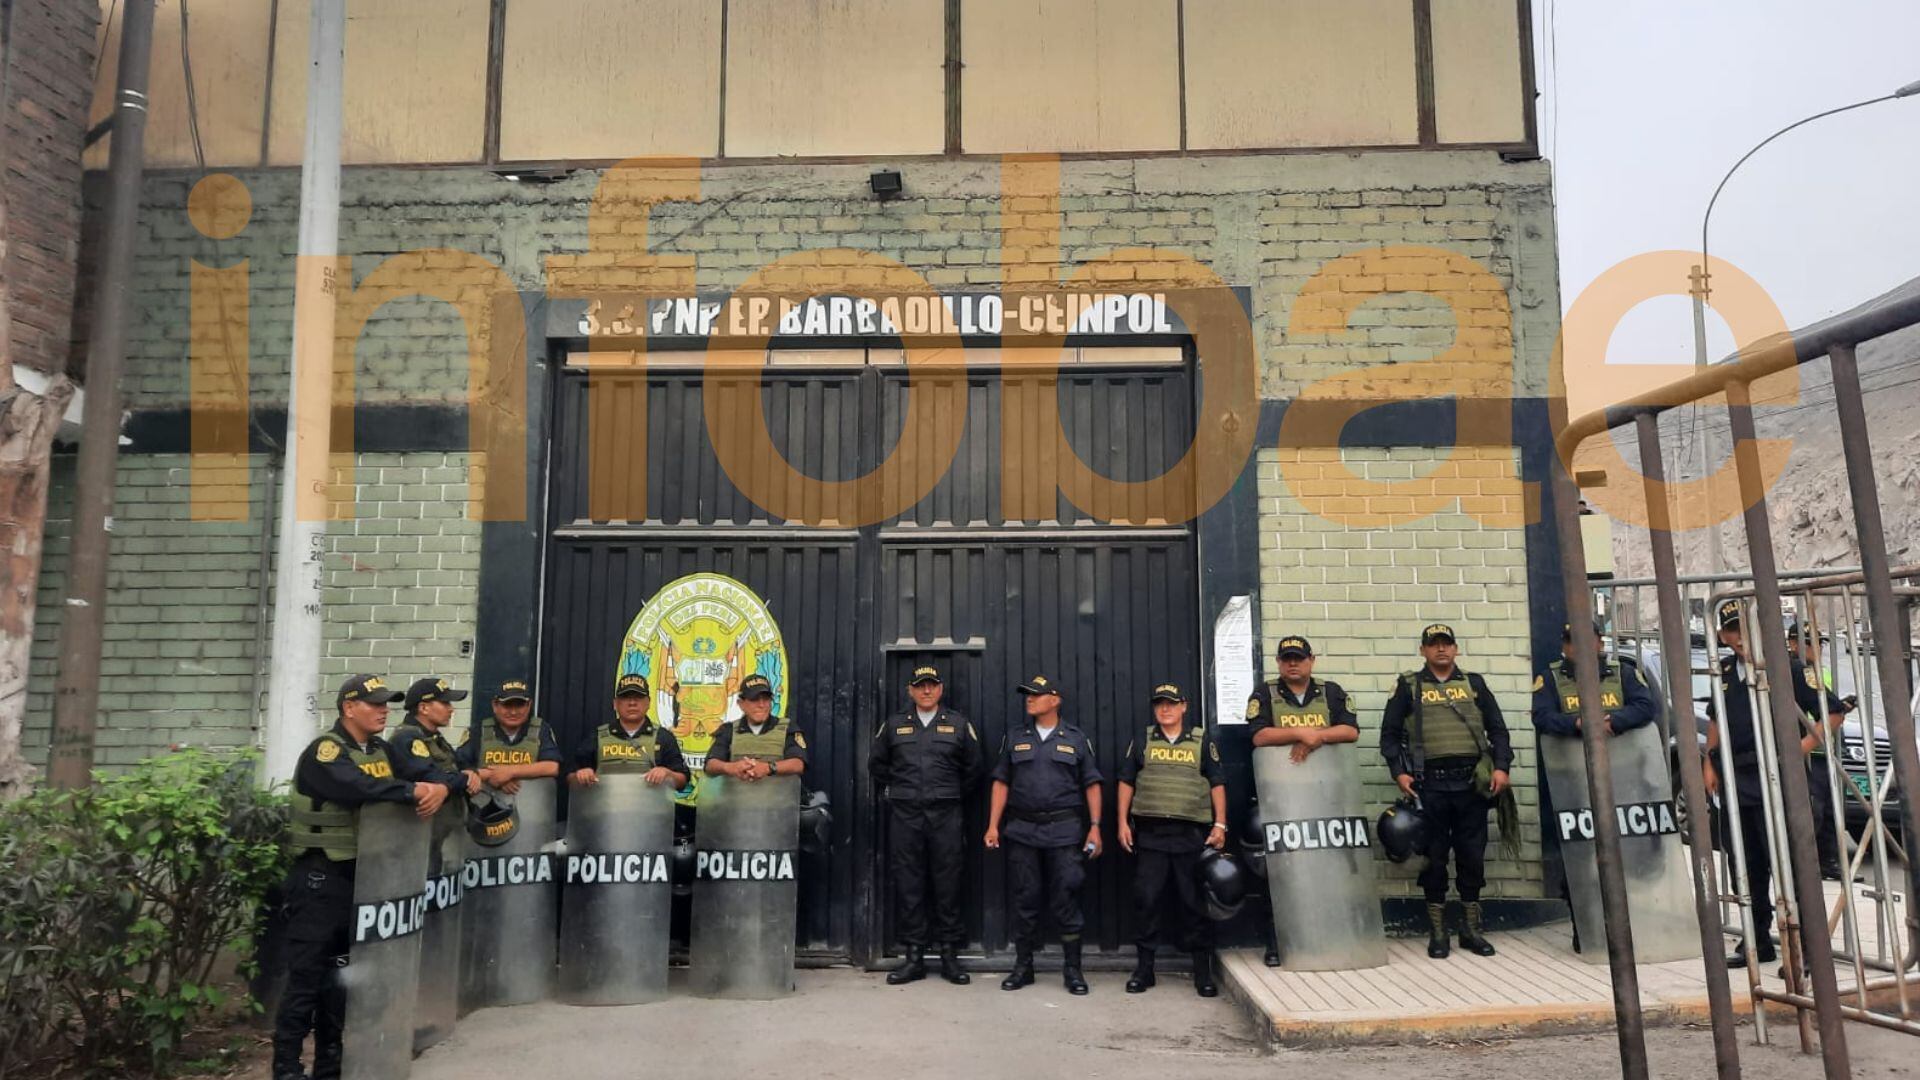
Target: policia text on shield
[(346, 768)]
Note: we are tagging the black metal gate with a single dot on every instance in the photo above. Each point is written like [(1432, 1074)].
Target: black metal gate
[(1107, 609)]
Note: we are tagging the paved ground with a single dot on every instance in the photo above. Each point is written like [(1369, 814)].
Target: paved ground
[(851, 1024)]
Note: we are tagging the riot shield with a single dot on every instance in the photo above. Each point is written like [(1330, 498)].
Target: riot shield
[(1319, 855), (383, 959), (616, 906), (437, 1006), (1659, 895), (745, 887), (507, 927)]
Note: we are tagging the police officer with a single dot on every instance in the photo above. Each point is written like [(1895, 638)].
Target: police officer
[(420, 747), (1624, 694), (629, 743), (925, 761), (513, 747), (347, 767), (1045, 780), (1455, 724), (1745, 752), (757, 746), (1819, 779), (1173, 806), (1300, 711)]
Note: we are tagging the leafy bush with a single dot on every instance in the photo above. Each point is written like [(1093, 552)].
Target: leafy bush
[(117, 902)]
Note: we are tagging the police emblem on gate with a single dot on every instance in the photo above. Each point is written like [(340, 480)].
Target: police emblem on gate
[(695, 640)]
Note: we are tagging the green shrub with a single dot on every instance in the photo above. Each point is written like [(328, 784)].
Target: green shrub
[(117, 902)]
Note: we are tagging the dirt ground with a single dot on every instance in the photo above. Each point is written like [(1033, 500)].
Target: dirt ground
[(851, 1024)]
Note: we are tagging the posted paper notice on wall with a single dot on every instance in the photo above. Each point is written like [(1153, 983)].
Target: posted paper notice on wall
[(1233, 660)]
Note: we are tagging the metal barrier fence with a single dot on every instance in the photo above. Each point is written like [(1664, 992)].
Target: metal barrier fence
[(1836, 340)]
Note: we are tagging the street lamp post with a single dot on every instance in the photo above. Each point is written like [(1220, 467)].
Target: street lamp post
[(1699, 287)]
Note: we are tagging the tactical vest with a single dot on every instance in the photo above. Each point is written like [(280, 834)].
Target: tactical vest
[(495, 750), (622, 755), (1612, 691), (768, 746), (1314, 714), (335, 829), (1445, 711), (438, 750), (1170, 783)]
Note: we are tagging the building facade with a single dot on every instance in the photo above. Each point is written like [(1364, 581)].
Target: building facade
[(1335, 214)]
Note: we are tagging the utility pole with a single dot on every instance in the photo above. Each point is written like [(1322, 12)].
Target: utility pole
[(1700, 288), (76, 697), (299, 573)]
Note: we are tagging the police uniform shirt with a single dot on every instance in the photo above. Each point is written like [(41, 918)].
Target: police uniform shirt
[(413, 758), (1637, 707), (324, 773), (666, 747), (1733, 688), (1171, 834), (1339, 709), (938, 761), (722, 748), (468, 755), (1046, 778), (1395, 738)]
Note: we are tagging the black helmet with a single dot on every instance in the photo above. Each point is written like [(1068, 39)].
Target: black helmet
[(1253, 843), (492, 819), (816, 823), (1223, 883), (683, 863), (1403, 830)]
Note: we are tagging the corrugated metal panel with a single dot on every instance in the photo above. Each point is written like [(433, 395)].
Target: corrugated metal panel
[(1107, 610)]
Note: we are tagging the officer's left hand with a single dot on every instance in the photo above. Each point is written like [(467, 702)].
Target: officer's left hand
[(658, 775), (1126, 836), (473, 782), (1217, 838), (1300, 752), (511, 787), (1093, 843), (1499, 781)]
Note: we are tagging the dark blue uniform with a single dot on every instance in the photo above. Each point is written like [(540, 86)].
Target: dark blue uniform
[(320, 912), (925, 771), (1744, 748), (1045, 825)]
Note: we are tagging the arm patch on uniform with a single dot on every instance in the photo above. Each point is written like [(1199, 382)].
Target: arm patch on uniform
[(1812, 681), (799, 740), (1253, 708), (972, 734), (420, 749), (1539, 683), (326, 752)]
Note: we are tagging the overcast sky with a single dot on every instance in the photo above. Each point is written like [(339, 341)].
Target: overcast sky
[(1646, 103)]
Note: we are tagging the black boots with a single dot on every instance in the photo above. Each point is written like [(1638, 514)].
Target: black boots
[(913, 970), (950, 967), (1471, 937), (1070, 968), (1142, 978), (1022, 973), (1203, 973), (1272, 956), (1766, 950), (1437, 946)]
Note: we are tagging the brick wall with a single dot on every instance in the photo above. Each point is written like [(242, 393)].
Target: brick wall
[(1270, 223), (49, 88), (179, 662), (1360, 581)]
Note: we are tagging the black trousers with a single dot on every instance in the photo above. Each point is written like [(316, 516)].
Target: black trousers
[(926, 853), (1818, 784), (1753, 838), (320, 913), (1045, 880), (1167, 884), (1457, 827)]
